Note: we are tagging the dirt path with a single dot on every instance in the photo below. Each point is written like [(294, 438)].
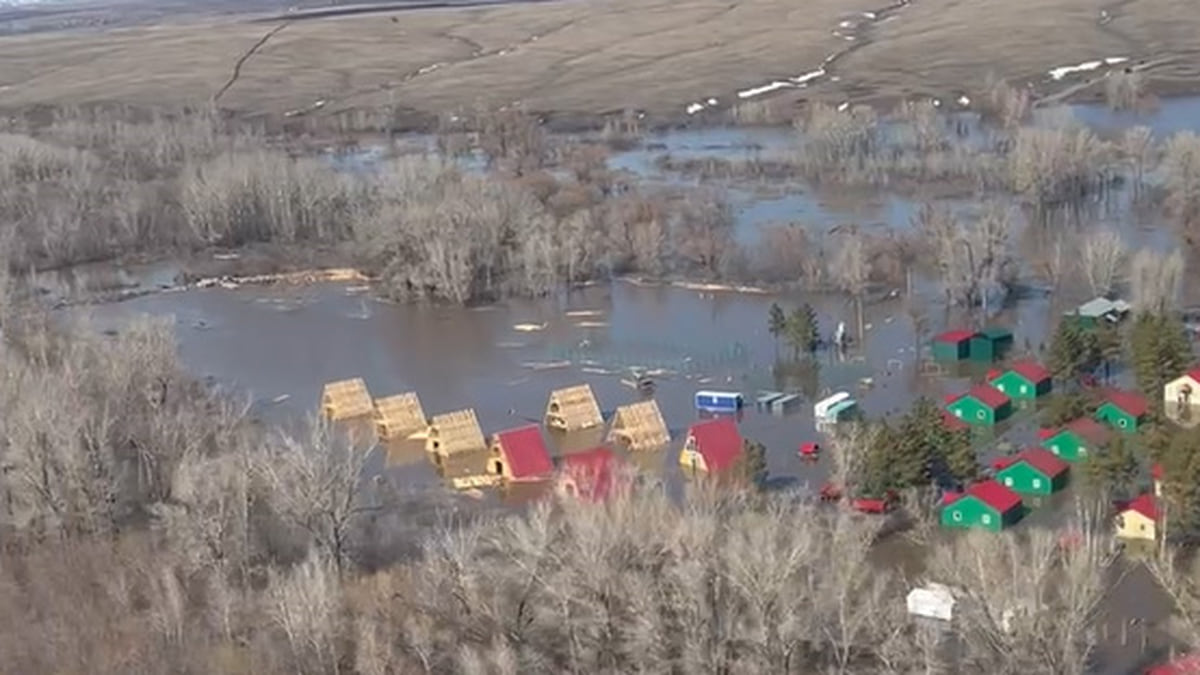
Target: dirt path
[(241, 62)]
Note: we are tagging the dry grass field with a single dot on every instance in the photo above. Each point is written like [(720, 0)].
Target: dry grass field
[(592, 56)]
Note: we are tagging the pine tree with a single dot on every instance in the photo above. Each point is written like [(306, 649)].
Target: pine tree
[(1160, 351), (1066, 349), (751, 465), (1181, 482), (1063, 408), (803, 330), (877, 475), (960, 459), (776, 324), (1112, 469)]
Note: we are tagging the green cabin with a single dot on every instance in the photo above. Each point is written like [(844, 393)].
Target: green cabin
[(991, 344), (982, 405), (1073, 442), (1123, 410), (987, 505), (1033, 472), (1024, 380), (952, 345)]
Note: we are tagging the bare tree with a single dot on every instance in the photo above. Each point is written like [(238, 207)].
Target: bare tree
[(851, 268), (306, 607), (1156, 279), (1137, 147), (1102, 260), (1181, 162), (975, 260)]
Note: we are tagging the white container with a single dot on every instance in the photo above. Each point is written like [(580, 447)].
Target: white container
[(935, 601), (821, 408)]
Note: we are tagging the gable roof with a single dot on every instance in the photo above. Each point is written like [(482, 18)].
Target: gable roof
[(1043, 461), (1131, 402), (1194, 373), (1030, 370), (718, 441), (525, 451), (953, 423), (455, 432), (996, 333), (1144, 504), (954, 336), (995, 495), (1088, 429), (985, 394), (592, 472)]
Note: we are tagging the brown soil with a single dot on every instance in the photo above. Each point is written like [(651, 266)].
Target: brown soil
[(593, 57)]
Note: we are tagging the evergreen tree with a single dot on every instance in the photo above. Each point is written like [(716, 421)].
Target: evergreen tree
[(1074, 349), (1160, 351), (959, 456), (877, 475), (776, 324), (1063, 408), (1112, 469), (1181, 482), (803, 330), (751, 465)]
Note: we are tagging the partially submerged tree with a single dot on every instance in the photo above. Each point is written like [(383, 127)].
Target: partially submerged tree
[(1102, 260)]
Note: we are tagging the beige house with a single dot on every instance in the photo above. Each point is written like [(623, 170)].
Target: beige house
[(639, 426), (454, 433), (573, 409), (399, 416), (346, 399)]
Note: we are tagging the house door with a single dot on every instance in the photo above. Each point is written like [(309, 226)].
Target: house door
[(498, 467)]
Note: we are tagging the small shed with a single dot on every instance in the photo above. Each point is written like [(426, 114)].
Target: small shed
[(1100, 310), (1184, 390), (639, 426), (712, 446), (1138, 519), (1033, 471), (982, 404), (592, 475), (520, 455), (454, 433), (346, 399), (1074, 441), (1123, 410), (1023, 380), (398, 416), (842, 411), (821, 408), (934, 601), (952, 345), (987, 505), (719, 401), (573, 408), (990, 344)]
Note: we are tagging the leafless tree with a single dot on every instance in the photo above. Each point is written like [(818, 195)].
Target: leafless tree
[(851, 269), (1137, 147), (1102, 260), (305, 604), (1155, 279), (1123, 89), (975, 261), (1181, 162)]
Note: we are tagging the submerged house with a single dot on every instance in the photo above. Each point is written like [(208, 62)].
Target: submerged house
[(1025, 380), (1138, 519), (987, 505), (399, 416), (639, 426), (1099, 310), (573, 409), (712, 446), (592, 475), (990, 344), (952, 345), (1033, 471), (346, 399), (1183, 391), (1123, 410), (1074, 441), (981, 405), (454, 433), (520, 455)]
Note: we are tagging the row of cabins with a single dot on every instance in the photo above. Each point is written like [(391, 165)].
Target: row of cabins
[(995, 504), (988, 345)]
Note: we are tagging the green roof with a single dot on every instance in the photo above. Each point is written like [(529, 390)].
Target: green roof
[(996, 333)]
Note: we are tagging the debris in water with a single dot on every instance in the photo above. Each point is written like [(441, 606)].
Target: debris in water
[(546, 365), (591, 324), (519, 380), (529, 327), (281, 398), (226, 256), (597, 371), (585, 312), (509, 345), (357, 289)]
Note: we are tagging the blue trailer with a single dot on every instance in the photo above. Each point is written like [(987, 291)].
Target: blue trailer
[(719, 401)]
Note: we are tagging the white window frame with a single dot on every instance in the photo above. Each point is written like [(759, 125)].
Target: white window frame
[(1000, 386), (986, 519), (1054, 448), (1008, 481), (1082, 451), (956, 515), (958, 412), (1122, 422), (1037, 483), (1024, 389)]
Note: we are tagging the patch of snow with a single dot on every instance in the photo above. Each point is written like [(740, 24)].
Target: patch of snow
[(711, 101), (937, 103), (694, 108), (1062, 71), (870, 15), (835, 78), (844, 106), (809, 76), (964, 101), (846, 24), (1114, 60), (764, 89)]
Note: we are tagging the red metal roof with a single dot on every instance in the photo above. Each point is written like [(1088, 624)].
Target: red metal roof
[(1030, 370), (988, 395), (954, 336), (718, 441), (1131, 402), (1043, 461), (1194, 373), (1188, 664), (525, 451), (1144, 504), (1002, 463), (1089, 430), (993, 373), (592, 471), (1043, 434), (953, 423), (995, 495)]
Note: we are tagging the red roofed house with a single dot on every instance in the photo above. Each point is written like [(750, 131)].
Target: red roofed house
[(1034, 471), (953, 345), (988, 505), (1181, 397), (1023, 380), (1138, 519), (592, 475), (712, 446), (1123, 410), (1188, 664), (982, 405), (1074, 441), (520, 454)]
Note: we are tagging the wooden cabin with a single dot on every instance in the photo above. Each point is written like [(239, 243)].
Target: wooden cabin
[(346, 399), (399, 416), (639, 426), (454, 433), (573, 408)]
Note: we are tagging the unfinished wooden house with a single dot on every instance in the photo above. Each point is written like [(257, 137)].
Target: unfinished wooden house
[(573, 408), (454, 433), (399, 416), (346, 399), (639, 426)]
